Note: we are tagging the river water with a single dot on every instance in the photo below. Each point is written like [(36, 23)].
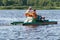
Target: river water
[(20, 32)]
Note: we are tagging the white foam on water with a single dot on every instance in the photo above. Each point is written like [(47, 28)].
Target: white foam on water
[(13, 19), (20, 19), (8, 21), (54, 19)]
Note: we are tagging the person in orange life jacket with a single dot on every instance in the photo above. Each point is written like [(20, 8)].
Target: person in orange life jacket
[(34, 15), (37, 17), (31, 15), (28, 15)]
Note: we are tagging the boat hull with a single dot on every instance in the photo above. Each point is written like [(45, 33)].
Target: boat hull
[(36, 23), (41, 23)]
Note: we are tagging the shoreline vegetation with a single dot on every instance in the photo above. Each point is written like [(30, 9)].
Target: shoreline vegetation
[(26, 7), (24, 4)]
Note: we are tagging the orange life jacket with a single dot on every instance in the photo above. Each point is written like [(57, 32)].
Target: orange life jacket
[(33, 14), (28, 15)]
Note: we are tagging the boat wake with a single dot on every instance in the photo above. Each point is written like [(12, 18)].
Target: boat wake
[(7, 21)]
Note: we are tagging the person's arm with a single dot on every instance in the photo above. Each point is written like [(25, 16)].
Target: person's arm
[(27, 11)]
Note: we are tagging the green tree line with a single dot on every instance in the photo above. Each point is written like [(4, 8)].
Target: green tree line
[(36, 3)]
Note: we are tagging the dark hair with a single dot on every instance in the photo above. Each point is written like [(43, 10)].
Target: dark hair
[(34, 9)]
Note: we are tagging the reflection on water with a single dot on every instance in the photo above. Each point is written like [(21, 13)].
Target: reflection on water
[(19, 32)]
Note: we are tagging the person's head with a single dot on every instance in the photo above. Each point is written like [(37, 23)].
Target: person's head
[(34, 9), (30, 8)]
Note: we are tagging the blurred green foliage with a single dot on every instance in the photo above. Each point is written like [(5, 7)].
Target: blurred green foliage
[(23, 4)]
